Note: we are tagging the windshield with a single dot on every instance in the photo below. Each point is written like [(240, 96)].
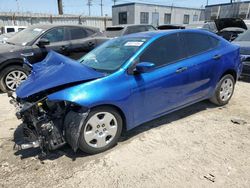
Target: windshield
[(244, 36), (110, 56), (25, 36)]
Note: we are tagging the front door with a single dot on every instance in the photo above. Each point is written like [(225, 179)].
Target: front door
[(163, 88), (58, 42)]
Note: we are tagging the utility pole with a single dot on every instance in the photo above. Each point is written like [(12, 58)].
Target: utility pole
[(60, 7), (89, 5), (18, 6), (114, 1), (101, 8)]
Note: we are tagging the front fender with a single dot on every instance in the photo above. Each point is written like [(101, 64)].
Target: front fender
[(112, 90)]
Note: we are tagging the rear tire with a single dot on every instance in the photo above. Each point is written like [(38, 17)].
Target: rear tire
[(11, 77), (101, 130), (224, 90)]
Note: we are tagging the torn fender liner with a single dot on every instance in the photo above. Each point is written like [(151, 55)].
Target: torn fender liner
[(73, 124)]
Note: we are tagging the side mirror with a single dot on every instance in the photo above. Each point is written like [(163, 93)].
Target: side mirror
[(43, 42), (143, 67)]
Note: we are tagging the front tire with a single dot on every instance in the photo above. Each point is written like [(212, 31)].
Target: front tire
[(224, 90), (11, 77), (101, 130)]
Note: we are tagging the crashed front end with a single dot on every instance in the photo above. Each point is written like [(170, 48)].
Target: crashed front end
[(49, 125)]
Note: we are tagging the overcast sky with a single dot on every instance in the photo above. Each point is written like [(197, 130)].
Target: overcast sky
[(80, 6)]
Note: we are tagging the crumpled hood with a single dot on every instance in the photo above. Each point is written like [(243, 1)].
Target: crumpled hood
[(55, 70)]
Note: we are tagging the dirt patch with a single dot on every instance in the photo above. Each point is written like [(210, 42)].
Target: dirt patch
[(199, 146)]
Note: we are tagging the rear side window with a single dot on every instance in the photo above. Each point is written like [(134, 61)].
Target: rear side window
[(197, 43), (90, 32), (77, 33), (164, 51)]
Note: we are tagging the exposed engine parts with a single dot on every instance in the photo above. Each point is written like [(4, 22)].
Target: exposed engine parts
[(49, 125)]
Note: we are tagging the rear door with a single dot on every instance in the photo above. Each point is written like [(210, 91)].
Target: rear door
[(203, 56), (82, 41)]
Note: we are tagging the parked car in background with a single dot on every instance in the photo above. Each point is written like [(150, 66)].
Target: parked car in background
[(228, 28), (5, 37), (35, 42), (243, 40), (198, 25), (121, 84), (168, 26), (12, 29), (121, 30)]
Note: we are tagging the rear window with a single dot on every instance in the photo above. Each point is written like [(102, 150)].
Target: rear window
[(135, 29), (114, 31)]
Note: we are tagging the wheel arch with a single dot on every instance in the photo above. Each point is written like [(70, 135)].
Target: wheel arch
[(11, 62), (231, 72)]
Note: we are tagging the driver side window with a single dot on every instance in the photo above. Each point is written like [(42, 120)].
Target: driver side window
[(163, 51), (55, 35)]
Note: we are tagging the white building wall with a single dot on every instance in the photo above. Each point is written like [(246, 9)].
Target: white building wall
[(134, 10), (130, 14)]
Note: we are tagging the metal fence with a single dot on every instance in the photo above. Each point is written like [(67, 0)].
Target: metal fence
[(228, 10), (25, 19)]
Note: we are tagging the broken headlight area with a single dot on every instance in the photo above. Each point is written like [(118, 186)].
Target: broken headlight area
[(50, 124)]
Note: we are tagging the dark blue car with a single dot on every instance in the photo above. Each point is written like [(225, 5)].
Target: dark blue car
[(121, 84)]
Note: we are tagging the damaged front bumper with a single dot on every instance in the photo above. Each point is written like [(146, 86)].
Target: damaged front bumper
[(49, 124)]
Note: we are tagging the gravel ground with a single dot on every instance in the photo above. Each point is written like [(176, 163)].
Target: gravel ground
[(198, 146)]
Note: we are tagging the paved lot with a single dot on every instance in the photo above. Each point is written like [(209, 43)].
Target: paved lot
[(198, 146)]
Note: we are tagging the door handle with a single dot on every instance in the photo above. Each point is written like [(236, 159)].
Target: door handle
[(63, 48), (182, 69), (216, 57), (91, 44), (29, 54)]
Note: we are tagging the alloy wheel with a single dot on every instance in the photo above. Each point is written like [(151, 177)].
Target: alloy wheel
[(100, 129), (226, 89), (14, 79)]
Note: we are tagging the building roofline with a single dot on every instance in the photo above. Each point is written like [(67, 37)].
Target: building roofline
[(221, 4), (169, 6)]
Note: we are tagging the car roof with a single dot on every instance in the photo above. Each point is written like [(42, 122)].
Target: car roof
[(128, 25), (159, 33), (50, 26)]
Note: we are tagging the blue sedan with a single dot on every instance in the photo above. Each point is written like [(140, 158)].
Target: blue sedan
[(121, 84)]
